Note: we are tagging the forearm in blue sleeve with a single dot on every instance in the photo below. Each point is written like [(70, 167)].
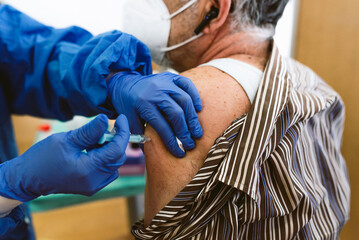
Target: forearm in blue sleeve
[(58, 73)]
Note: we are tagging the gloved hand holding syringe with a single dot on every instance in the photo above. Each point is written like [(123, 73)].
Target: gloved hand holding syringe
[(134, 138)]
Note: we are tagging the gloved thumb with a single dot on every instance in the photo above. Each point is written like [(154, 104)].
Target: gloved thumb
[(89, 134), (112, 155)]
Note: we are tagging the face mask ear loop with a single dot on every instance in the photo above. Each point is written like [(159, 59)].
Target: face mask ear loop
[(183, 8), (167, 49)]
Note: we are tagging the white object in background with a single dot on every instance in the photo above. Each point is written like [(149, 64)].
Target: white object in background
[(286, 32), (93, 15)]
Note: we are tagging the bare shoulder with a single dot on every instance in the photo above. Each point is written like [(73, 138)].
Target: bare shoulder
[(223, 100)]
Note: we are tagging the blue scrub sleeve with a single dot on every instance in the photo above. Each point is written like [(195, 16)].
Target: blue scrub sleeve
[(10, 222), (59, 73)]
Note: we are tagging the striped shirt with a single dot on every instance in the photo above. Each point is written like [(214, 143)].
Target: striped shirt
[(275, 173)]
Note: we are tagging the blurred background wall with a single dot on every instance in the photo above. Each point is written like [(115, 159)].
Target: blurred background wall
[(322, 34), (328, 38)]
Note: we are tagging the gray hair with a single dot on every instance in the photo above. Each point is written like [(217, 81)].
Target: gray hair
[(257, 17)]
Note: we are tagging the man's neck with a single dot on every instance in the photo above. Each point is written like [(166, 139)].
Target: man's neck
[(241, 46)]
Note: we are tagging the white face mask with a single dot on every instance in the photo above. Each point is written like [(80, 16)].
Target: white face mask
[(150, 22)]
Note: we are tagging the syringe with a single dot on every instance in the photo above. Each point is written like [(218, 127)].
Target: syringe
[(134, 138)]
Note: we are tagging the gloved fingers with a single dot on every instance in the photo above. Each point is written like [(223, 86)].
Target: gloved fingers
[(176, 118), (113, 153), (104, 181), (110, 167), (154, 117), (136, 124), (183, 99), (188, 86), (89, 134), (10, 222), (123, 129)]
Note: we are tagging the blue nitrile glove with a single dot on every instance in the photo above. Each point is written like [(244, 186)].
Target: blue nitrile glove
[(59, 165), (154, 98), (11, 221)]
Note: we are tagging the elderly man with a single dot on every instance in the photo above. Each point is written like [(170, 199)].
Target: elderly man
[(269, 163)]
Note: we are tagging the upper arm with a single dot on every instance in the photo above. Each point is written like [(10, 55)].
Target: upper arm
[(223, 100)]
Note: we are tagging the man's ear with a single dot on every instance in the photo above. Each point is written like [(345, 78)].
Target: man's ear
[(224, 7)]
